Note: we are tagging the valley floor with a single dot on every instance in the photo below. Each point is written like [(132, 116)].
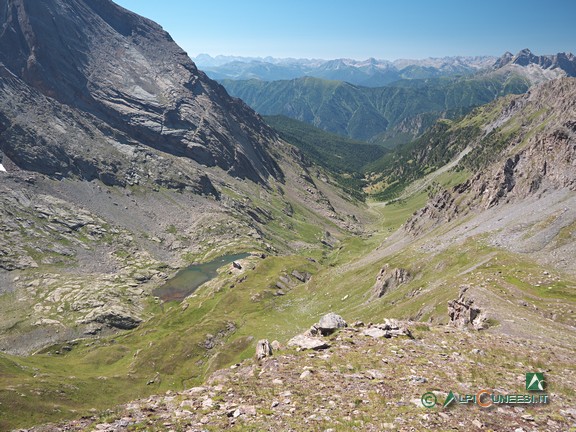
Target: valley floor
[(359, 383)]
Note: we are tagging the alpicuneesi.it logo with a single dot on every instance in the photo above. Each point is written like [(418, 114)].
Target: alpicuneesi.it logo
[(486, 398), (535, 381)]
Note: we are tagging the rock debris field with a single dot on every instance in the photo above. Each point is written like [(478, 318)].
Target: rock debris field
[(368, 377)]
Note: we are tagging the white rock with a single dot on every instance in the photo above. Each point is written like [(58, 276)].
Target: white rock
[(308, 342), (47, 321), (374, 332)]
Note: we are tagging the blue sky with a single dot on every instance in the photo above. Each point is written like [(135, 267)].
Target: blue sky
[(384, 29)]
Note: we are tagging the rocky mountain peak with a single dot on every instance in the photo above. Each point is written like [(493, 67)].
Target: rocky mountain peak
[(101, 60), (504, 60), (525, 57), (564, 62)]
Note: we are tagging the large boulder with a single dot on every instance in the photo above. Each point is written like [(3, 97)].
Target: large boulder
[(329, 323), (308, 342)]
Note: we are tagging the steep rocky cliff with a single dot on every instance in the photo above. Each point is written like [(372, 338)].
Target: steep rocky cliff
[(80, 76)]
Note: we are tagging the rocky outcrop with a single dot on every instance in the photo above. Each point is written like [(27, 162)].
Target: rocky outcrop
[(331, 323), (312, 338), (546, 162), (463, 312), (508, 180), (286, 282), (390, 328), (387, 280), (301, 276), (439, 209), (113, 316), (45, 222), (263, 349)]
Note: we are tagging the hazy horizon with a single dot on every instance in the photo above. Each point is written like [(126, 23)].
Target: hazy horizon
[(385, 30), (356, 60)]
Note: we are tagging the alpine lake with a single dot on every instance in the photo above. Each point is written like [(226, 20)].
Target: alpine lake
[(187, 280)]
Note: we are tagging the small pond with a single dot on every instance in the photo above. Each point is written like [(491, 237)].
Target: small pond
[(187, 280)]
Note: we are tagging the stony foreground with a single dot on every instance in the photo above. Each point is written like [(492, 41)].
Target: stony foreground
[(365, 380)]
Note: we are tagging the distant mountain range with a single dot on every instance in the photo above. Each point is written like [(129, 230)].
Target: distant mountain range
[(370, 72), (377, 73), (399, 111)]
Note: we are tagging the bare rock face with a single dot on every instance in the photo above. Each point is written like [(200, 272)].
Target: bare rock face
[(464, 314), (113, 316), (105, 84), (388, 279), (536, 68)]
